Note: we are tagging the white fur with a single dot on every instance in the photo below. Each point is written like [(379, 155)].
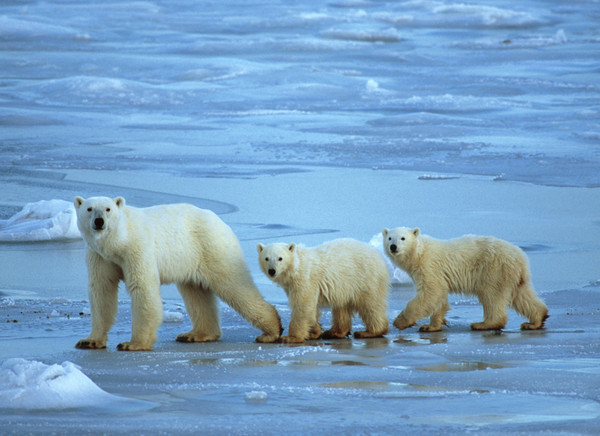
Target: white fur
[(494, 270), (347, 275), (148, 247)]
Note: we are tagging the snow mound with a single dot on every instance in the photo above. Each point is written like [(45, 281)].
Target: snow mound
[(44, 220), (33, 385)]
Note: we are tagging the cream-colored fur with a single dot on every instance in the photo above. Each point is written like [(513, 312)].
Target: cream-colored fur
[(494, 270), (347, 275), (148, 247)]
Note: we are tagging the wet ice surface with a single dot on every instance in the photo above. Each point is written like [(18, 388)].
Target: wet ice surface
[(455, 380), (293, 121)]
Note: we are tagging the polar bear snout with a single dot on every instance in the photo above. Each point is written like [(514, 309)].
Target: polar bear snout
[(99, 224), (393, 248), (272, 272)]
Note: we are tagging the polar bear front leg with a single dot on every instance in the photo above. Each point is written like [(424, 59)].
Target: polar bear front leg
[(103, 289), (494, 312), (299, 328), (146, 310), (304, 311), (429, 297), (437, 320)]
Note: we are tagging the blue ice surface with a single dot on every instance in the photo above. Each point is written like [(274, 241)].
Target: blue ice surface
[(113, 98)]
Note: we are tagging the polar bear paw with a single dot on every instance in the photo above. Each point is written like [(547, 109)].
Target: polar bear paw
[(291, 340), (430, 328), (483, 326), (333, 334), (367, 334), (132, 346), (266, 338), (90, 344), (315, 332), (197, 337), (402, 323)]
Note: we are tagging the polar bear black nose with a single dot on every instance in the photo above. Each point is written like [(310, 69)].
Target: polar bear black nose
[(393, 248), (272, 272), (99, 223)]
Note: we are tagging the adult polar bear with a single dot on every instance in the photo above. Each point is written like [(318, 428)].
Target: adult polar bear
[(494, 270), (176, 243)]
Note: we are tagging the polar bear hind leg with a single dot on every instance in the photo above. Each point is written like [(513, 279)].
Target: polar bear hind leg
[(494, 312), (375, 318), (201, 306), (239, 292), (527, 303)]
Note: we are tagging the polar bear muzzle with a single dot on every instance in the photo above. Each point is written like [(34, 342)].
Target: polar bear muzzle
[(99, 224)]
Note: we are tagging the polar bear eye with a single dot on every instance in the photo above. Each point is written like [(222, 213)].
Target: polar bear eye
[(403, 238), (280, 259), (266, 259), (108, 209), (89, 209), (390, 238)]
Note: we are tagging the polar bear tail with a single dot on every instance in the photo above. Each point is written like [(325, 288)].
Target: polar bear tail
[(527, 303)]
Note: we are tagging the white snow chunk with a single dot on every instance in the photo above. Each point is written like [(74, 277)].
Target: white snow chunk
[(172, 317), (33, 385), (256, 396), (44, 220)]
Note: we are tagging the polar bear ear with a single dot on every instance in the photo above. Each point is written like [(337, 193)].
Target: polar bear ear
[(119, 201), (78, 202), (416, 231), (385, 232), (292, 247), (260, 247)]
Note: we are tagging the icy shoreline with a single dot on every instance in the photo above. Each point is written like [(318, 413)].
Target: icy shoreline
[(453, 381)]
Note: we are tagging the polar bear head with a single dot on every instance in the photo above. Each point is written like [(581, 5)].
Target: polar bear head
[(400, 241), (98, 215), (277, 259)]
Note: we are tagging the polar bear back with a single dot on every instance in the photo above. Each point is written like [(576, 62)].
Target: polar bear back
[(343, 269), (470, 263), (214, 248)]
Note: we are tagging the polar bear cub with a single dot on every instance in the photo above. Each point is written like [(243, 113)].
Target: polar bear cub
[(494, 270), (345, 274), (176, 243)]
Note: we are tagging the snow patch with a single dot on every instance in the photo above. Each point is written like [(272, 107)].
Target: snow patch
[(32, 385), (256, 396), (44, 220), (172, 317)]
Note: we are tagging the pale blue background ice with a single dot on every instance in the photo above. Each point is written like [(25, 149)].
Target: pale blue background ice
[(305, 121)]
